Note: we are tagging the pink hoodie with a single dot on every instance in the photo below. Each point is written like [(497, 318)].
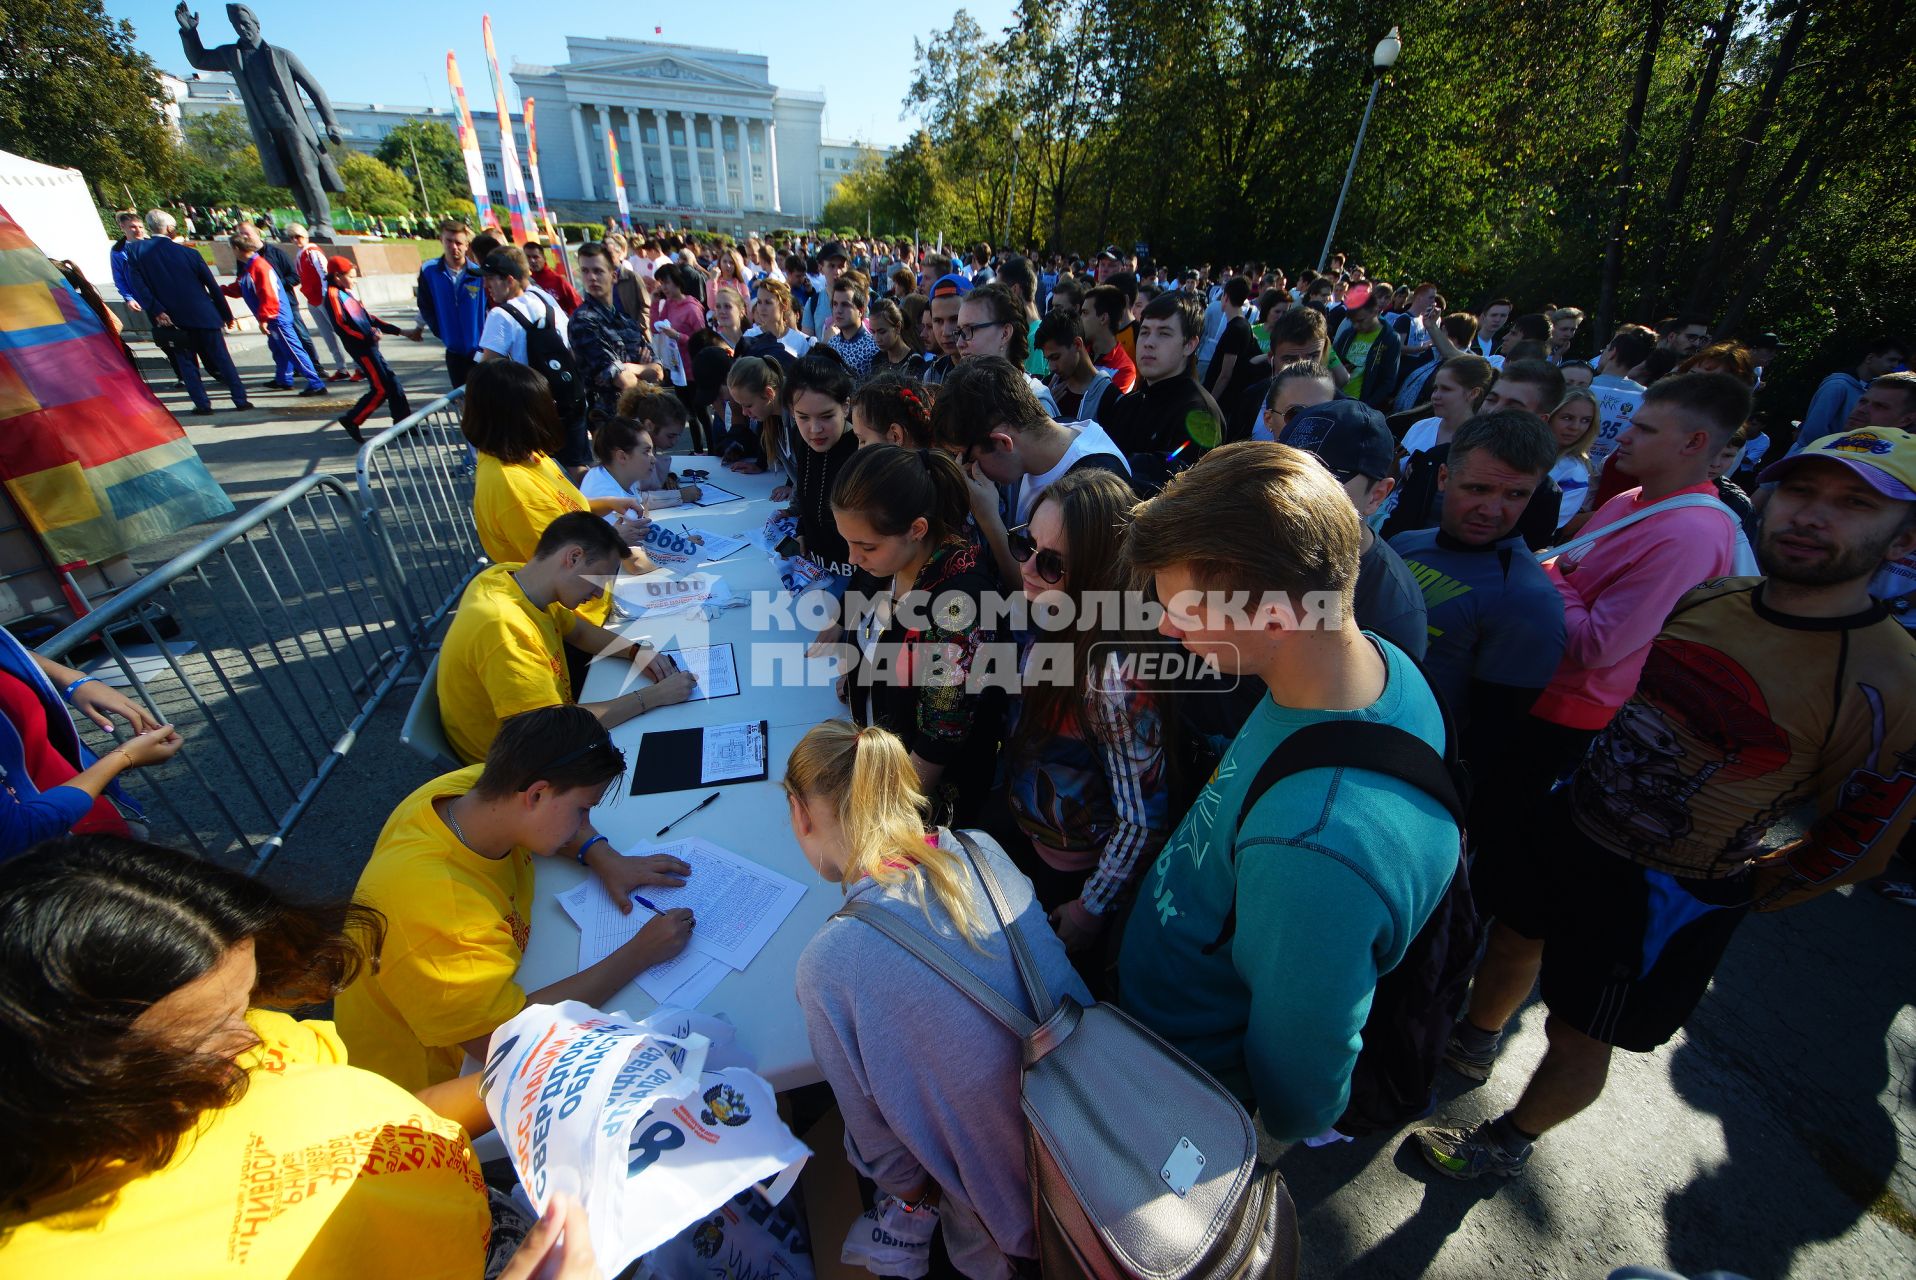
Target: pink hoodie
[(1616, 593)]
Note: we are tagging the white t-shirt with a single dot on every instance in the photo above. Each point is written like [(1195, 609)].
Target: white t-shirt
[(1421, 436), (1091, 441), (504, 336), (1574, 479), (599, 483)]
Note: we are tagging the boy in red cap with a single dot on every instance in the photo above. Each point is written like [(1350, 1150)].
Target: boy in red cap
[(359, 329)]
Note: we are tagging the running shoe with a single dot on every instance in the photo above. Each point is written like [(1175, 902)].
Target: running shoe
[(1467, 1154), (1470, 1065), (1901, 892)]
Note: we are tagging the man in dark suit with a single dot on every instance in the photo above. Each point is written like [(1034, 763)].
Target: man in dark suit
[(269, 80), (176, 289)]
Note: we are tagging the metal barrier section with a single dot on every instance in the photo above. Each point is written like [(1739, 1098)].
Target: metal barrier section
[(415, 495), (268, 647)]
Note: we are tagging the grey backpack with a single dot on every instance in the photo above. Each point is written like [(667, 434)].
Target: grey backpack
[(1142, 1166)]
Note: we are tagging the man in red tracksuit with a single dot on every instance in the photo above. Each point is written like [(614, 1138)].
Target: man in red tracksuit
[(359, 329), (311, 261)]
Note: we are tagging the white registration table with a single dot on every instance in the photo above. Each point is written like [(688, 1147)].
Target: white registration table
[(749, 818)]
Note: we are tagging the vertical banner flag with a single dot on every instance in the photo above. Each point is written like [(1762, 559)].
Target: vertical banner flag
[(516, 204), (532, 166), (469, 148), (618, 178)]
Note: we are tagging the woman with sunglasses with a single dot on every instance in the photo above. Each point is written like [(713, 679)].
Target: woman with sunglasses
[(1294, 388), (1086, 796), (916, 612), (452, 874)]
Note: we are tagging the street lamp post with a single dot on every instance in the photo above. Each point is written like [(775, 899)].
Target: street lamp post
[(1382, 58), (1017, 136)]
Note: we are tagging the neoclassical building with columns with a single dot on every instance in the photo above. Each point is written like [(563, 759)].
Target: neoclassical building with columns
[(704, 136)]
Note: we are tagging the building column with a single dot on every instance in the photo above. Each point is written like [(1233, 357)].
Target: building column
[(641, 189), (665, 157), (745, 162), (721, 183), (586, 188), (771, 155)]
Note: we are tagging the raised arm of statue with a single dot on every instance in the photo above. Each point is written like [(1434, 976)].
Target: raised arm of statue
[(197, 56)]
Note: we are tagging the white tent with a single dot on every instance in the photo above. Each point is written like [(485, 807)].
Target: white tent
[(55, 208)]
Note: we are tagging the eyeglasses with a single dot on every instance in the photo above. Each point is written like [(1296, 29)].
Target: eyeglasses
[(1049, 564), (968, 333)]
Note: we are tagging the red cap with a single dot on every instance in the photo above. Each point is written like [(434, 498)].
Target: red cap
[(339, 265)]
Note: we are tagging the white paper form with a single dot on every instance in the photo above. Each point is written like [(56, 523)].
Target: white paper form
[(603, 929), (714, 547), (715, 667), (738, 904), (710, 495), (732, 750)]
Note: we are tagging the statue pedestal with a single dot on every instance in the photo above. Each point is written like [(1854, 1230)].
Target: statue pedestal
[(372, 257)]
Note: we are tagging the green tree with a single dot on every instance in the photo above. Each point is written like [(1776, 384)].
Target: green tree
[(439, 163), (75, 92), (375, 187), (220, 165)]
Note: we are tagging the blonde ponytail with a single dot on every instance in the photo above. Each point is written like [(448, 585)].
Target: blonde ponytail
[(868, 777)]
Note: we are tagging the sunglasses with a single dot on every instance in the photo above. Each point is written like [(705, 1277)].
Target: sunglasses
[(1049, 564), (600, 744), (690, 474)]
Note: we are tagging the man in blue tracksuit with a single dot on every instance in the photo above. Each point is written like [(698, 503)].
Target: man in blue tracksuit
[(176, 289), (452, 300)]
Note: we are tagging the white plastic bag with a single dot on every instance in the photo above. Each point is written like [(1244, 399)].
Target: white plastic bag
[(890, 1240), (622, 1115)]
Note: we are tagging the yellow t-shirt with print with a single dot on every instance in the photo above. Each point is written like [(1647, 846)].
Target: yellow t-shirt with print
[(513, 502), (456, 928), (319, 1170), (502, 655)]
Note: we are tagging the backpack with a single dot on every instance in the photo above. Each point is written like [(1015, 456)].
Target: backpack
[(547, 352), (1417, 1003), (1115, 1117)]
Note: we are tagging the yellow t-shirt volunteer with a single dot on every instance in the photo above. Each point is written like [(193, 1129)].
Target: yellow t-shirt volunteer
[(512, 503), (456, 928), (502, 655), (320, 1170)]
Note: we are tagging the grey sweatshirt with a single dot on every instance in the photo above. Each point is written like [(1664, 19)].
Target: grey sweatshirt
[(926, 1080)]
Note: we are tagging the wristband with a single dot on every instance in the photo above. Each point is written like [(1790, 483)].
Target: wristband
[(77, 683), (588, 844)]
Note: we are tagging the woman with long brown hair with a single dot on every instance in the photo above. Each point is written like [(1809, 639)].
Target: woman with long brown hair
[(161, 1117)]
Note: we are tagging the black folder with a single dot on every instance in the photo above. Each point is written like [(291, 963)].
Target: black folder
[(673, 760)]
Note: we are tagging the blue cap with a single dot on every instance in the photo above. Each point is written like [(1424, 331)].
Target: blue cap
[(946, 286), (1348, 435)]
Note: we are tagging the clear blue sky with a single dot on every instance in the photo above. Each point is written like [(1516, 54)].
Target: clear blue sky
[(857, 51)]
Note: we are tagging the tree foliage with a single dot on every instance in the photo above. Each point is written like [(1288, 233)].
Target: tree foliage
[(372, 186), (1497, 160), (219, 165), (439, 162), (75, 92)]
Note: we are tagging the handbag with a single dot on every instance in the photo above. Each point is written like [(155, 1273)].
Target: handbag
[(1142, 1166)]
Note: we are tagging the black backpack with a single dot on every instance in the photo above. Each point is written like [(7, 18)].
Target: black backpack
[(547, 352), (1417, 1003)]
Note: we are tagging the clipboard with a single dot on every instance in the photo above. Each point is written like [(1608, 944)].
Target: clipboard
[(674, 759)]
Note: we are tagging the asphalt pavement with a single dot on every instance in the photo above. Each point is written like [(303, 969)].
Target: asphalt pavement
[(1775, 1138)]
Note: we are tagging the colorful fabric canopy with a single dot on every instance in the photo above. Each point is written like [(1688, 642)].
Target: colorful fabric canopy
[(96, 464)]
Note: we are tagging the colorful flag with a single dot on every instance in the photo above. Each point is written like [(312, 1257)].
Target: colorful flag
[(618, 179), (469, 148), (517, 208), (532, 164), (96, 464)]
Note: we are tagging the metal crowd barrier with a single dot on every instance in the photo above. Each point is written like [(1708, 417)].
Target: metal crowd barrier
[(268, 646), (415, 495)]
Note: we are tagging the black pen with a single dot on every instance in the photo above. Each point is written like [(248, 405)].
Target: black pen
[(688, 813)]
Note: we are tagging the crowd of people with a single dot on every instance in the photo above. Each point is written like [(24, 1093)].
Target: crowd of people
[(1573, 632)]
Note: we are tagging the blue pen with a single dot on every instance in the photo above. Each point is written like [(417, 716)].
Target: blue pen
[(648, 904)]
